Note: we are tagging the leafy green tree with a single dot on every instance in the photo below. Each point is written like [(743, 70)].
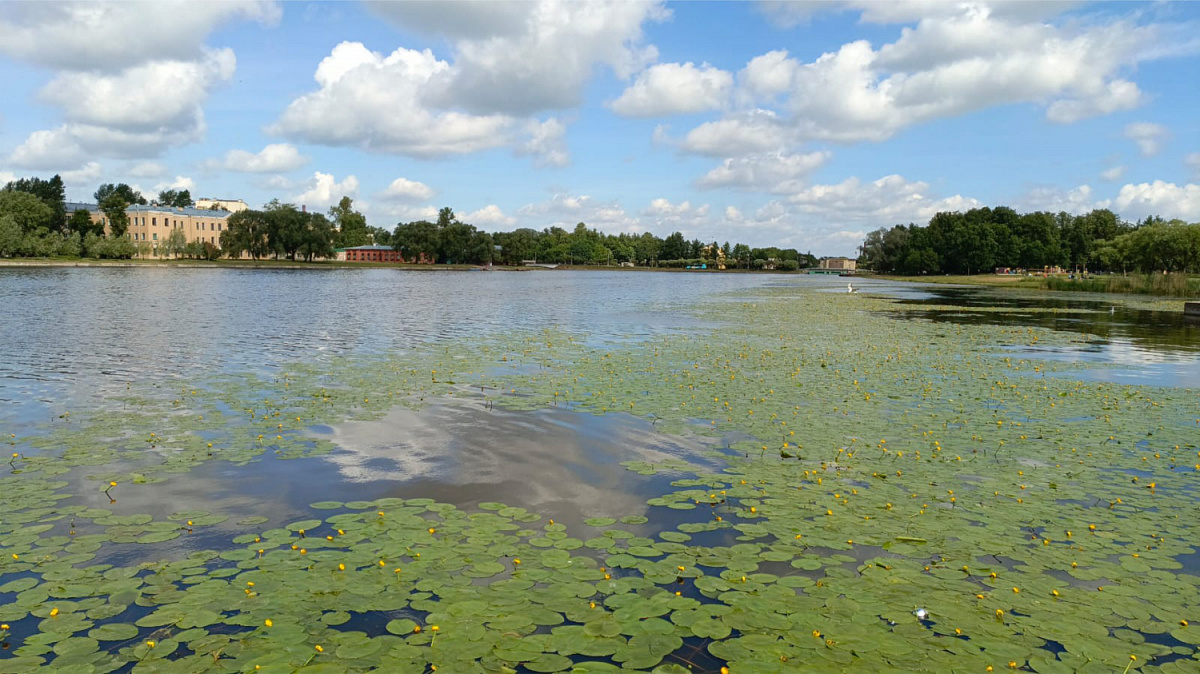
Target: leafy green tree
[(454, 242), (517, 245), (127, 193), (175, 243), (674, 247), (351, 225), (741, 253), (317, 240), (52, 192), (81, 223), (380, 236), (112, 248), (10, 236), (113, 206), (286, 226), (28, 210), (247, 232), (176, 199), (416, 239), (70, 245)]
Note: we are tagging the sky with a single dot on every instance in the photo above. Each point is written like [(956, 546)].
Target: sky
[(797, 124)]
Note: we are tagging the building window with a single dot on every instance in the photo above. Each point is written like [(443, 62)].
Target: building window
[(156, 236), (154, 222)]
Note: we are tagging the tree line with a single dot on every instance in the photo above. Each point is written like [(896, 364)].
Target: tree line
[(983, 239), (451, 241), (34, 222), (283, 231)]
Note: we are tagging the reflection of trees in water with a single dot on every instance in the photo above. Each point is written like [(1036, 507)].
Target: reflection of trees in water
[(1167, 331)]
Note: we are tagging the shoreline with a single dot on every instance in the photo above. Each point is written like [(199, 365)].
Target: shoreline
[(338, 264)]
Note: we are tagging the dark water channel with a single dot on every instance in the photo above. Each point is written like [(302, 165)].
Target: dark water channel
[(1135, 345)]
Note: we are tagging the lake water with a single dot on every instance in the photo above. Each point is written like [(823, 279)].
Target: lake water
[(72, 336), (76, 340)]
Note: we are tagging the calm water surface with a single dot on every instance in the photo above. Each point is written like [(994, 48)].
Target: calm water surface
[(72, 336)]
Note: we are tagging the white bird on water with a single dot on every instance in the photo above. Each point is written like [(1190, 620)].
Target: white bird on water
[(850, 288)]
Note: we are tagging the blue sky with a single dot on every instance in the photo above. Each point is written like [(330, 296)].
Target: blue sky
[(793, 123)]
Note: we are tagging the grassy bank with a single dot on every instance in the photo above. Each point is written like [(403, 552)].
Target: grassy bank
[(995, 280), (1168, 285)]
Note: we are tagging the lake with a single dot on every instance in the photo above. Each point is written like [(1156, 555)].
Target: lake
[(568, 471)]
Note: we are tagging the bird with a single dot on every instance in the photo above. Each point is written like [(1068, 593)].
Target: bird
[(1112, 310), (850, 288)]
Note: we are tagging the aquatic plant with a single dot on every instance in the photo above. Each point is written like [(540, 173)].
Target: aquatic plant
[(894, 494)]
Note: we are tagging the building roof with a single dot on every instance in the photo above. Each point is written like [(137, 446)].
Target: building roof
[(201, 212), (374, 247), (72, 206)]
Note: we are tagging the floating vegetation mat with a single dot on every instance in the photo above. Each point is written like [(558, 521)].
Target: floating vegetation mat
[(892, 497)]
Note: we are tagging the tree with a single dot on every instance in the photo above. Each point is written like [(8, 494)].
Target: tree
[(517, 245), (246, 232), (81, 223), (10, 236), (113, 206), (29, 211), (741, 253), (379, 236), (351, 225), (674, 247), (127, 193), (317, 238), (416, 239), (176, 199), (51, 192), (285, 228), (454, 241), (175, 243)]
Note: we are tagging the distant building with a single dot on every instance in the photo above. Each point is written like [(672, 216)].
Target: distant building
[(374, 253), (839, 263), (718, 255), (152, 224), (231, 205)]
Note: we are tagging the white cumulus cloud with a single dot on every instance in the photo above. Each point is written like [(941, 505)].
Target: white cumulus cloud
[(376, 103), (274, 158), (1113, 173), (403, 189), (889, 200), (957, 59), (673, 89), (112, 36), (1168, 200), (324, 190), (1148, 136), (778, 171), (179, 183), (547, 143), (489, 216), (531, 57)]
